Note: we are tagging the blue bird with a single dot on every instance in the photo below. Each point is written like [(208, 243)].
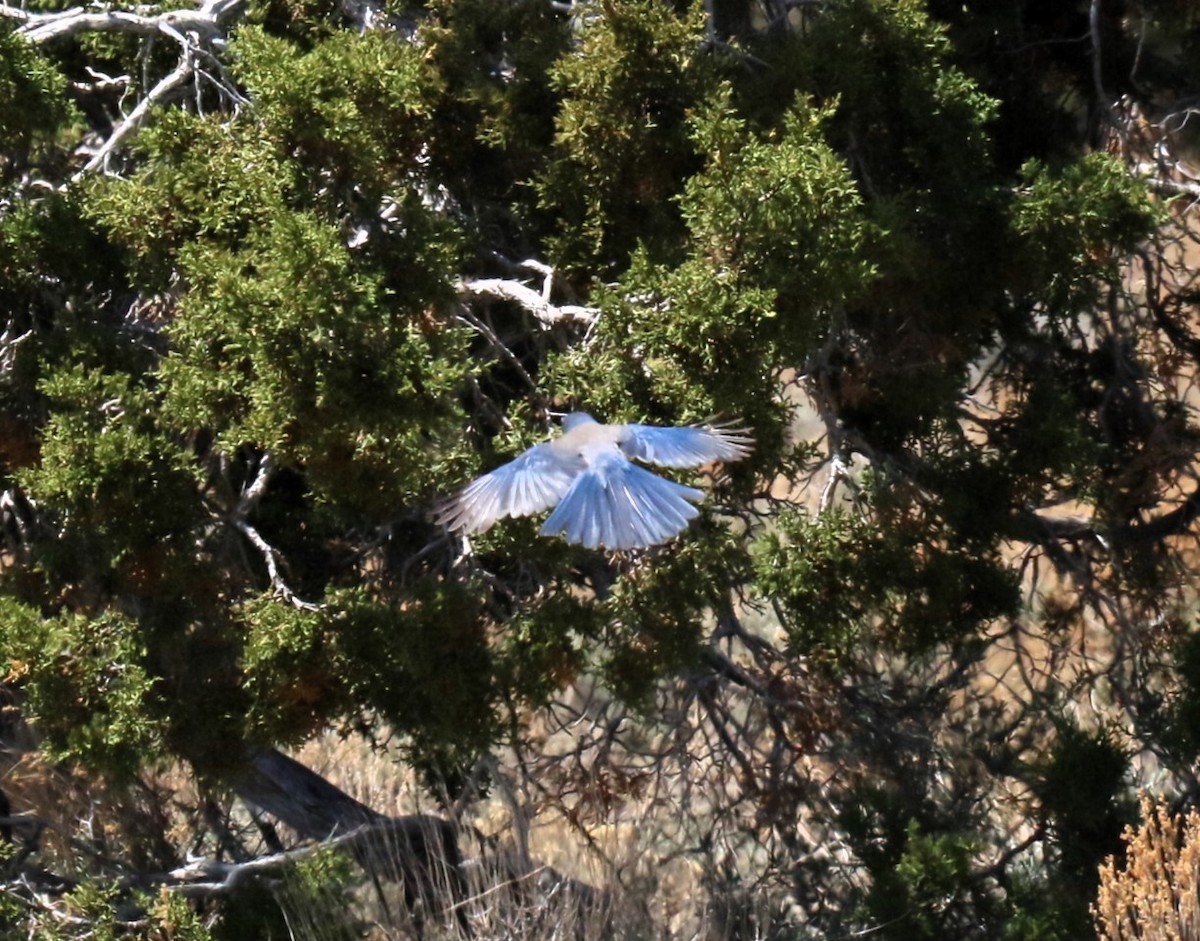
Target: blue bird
[(601, 497)]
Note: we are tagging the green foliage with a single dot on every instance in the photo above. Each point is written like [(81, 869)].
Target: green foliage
[(926, 893), (1081, 788), (656, 613), (544, 646), (93, 904), (496, 107), (425, 665), (325, 105), (1073, 221), (121, 490), (201, 182), (32, 103), (915, 129), (622, 143), (845, 585), (174, 919), (778, 213), (805, 566), (1043, 435), (279, 341), (284, 345), (291, 668), (312, 900), (1182, 716), (1044, 909), (87, 686), (683, 364), (59, 276), (774, 240), (309, 898), (922, 122)]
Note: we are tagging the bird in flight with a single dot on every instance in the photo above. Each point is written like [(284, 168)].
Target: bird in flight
[(601, 498)]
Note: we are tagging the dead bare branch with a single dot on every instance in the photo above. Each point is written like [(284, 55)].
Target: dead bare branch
[(500, 289), (250, 498), (204, 22), (179, 76)]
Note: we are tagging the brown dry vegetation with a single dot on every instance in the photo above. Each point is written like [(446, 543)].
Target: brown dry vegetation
[(1154, 894)]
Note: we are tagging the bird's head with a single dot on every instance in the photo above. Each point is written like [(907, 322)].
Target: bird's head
[(575, 420)]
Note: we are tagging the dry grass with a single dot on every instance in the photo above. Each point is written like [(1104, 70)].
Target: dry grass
[(1155, 894), (547, 888), (86, 824), (546, 868)]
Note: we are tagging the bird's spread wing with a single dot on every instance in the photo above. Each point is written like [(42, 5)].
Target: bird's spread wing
[(684, 447), (531, 482), (621, 506)]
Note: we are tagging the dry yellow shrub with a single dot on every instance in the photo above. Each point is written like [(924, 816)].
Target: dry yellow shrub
[(1154, 896)]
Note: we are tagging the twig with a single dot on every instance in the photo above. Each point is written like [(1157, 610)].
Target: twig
[(271, 557), (490, 335)]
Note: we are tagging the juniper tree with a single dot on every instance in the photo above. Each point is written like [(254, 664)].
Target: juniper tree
[(277, 277)]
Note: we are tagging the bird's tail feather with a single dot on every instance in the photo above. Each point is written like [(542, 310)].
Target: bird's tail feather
[(622, 506)]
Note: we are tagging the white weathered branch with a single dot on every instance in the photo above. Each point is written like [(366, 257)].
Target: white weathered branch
[(1153, 175), (272, 558), (213, 877), (40, 28), (502, 289), (252, 494), (181, 74), (249, 499), (193, 29), (10, 340), (839, 473), (201, 877), (102, 81)]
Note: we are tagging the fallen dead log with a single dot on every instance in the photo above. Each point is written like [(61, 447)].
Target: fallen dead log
[(420, 852)]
